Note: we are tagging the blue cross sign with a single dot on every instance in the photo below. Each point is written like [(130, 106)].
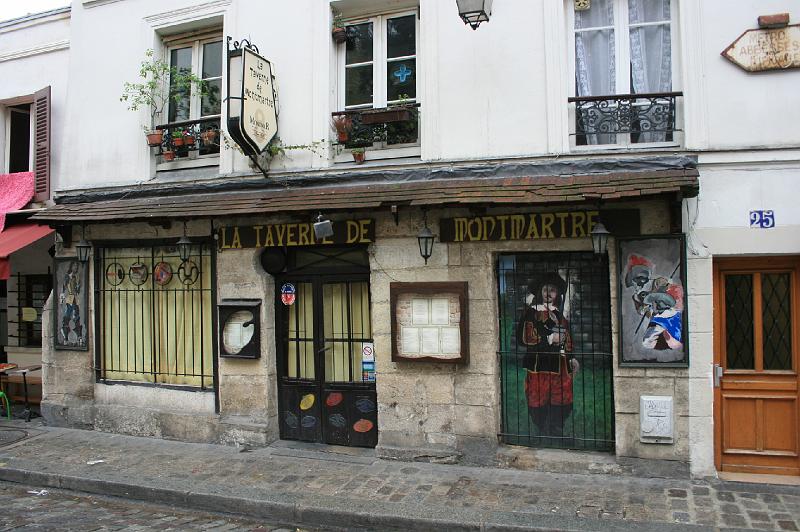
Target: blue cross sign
[(402, 73)]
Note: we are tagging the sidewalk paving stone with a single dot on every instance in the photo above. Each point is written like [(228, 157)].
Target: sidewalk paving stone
[(347, 490)]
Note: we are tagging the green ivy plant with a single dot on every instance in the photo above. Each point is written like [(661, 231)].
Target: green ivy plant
[(159, 84)]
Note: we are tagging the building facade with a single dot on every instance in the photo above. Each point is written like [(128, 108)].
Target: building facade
[(224, 304)]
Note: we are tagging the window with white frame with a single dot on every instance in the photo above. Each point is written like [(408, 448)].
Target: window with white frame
[(378, 69), (623, 72), (201, 56)]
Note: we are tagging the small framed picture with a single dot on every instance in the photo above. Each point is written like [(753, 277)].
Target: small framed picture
[(652, 306), (430, 322), (70, 304)]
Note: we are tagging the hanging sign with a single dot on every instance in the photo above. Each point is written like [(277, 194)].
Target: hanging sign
[(288, 294), (252, 109), (766, 49), (295, 234)]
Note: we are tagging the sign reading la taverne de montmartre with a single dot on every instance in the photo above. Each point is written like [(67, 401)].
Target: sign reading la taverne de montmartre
[(257, 122)]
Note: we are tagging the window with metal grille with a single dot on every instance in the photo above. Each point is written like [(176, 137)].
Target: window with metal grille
[(31, 292), (154, 315)]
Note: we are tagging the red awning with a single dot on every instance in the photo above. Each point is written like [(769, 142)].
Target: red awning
[(15, 238)]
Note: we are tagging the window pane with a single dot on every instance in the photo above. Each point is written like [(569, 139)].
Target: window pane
[(595, 63), (212, 60), (400, 40), (181, 62), (739, 321), (211, 101), (648, 11), (651, 59), (358, 85), (359, 43), (777, 318), (401, 82), (600, 14)]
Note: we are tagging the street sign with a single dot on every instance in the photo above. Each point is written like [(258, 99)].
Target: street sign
[(766, 49)]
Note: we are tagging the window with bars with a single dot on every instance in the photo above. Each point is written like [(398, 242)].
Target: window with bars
[(154, 315)]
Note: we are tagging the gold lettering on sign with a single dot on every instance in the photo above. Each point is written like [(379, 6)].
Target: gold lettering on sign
[(236, 243), (529, 226)]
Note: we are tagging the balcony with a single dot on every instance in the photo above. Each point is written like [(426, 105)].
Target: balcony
[(384, 133), (189, 141), (626, 119)]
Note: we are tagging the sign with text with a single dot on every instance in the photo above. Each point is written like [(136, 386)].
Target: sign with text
[(294, 234), (766, 49), (762, 219), (529, 226)]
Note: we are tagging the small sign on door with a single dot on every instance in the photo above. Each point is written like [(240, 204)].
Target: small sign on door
[(368, 362)]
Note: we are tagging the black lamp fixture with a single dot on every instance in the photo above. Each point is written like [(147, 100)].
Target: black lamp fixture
[(425, 239), (600, 239), (323, 228), (83, 247), (473, 12), (184, 245)]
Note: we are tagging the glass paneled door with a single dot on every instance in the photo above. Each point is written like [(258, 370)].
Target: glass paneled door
[(327, 392), (757, 419)]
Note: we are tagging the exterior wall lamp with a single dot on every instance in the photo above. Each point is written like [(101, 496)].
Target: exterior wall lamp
[(425, 240), (323, 228), (473, 12), (83, 247), (600, 239), (184, 245)]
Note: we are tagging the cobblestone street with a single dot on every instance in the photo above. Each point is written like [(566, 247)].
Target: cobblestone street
[(27, 508)]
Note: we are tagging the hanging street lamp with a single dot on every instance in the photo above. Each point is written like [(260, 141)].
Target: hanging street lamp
[(600, 239), (473, 12), (425, 240), (83, 247), (184, 245)]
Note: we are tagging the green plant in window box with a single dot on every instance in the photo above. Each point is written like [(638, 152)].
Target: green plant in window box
[(159, 85), (338, 31)]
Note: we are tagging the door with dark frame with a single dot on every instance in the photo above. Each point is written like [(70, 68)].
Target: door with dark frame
[(324, 394), (756, 414)]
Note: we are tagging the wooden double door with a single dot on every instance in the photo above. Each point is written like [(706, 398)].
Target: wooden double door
[(757, 428)]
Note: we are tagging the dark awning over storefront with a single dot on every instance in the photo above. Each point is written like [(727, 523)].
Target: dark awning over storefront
[(509, 191)]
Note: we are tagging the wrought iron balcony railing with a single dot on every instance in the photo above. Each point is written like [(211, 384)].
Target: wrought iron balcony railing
[(626, 118), (189, 139), (393, 126)]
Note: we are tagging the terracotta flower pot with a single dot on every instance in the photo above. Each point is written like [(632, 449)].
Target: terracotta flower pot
[(188, 140), (154, 138), (177, 141), (168, 155), (209, 136), (342, 136), (358, 156), (339, 35)]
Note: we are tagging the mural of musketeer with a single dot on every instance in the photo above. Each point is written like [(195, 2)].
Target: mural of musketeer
[(543, 330)]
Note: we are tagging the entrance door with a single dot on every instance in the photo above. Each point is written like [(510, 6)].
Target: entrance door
[(755, 345), (555, 358), (325, 396)]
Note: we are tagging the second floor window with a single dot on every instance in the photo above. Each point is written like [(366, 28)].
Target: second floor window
[(624, 47), (204, 59)]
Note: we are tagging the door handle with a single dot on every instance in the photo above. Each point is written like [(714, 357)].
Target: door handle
[(717, 375), (321, 351)]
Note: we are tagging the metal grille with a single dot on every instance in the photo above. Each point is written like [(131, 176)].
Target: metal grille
[(31, 293), (777, 319), (154, 315), (545, 401), (740, 353)]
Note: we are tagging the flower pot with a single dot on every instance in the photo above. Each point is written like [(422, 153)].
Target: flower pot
[(154, 138), (358, 156), (177, 141), (339, 35), (168, 155), (342, 136), (188, 140), (209, 136)]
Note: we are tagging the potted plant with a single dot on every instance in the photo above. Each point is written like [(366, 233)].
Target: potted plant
[(342, 124), (209, 136), (358, 155), (338, 32), (159, 84), (177, 138), (168, 155), (188, 138)]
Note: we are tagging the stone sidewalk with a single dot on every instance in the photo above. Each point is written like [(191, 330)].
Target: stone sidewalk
[(347, 488)]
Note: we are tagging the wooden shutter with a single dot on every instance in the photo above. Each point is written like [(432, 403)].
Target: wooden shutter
[(41, 151)]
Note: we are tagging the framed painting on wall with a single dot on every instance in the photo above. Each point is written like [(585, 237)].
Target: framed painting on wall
[(70, 304), (430, 322), (652, 306)]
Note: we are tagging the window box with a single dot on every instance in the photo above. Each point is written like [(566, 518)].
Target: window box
[(395, 113)]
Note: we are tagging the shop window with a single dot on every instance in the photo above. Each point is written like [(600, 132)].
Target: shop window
[(624, 59), (193, 128), (31, 293), (378, 81), (155, 316)]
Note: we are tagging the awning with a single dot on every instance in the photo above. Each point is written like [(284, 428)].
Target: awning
[(15, 238), (510, 191), (16, 190)]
